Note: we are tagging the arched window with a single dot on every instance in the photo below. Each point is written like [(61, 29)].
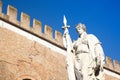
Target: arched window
[(27, 79)]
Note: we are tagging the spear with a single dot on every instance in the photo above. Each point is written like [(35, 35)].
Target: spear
[(67, 43)]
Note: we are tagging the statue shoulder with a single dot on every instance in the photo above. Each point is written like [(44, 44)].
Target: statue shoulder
[(92, 38)]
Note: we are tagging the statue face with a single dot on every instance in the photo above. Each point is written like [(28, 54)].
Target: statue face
[(80, 30)]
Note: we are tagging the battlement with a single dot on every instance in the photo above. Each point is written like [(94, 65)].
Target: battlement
[(36, 29), (112, 65)]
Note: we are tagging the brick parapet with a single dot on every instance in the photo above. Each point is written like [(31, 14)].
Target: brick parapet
[(112, 65), (36, 29)]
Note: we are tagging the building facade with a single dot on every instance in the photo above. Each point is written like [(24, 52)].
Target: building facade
[(26, 53)]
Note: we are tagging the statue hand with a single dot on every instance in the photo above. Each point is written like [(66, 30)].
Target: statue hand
[(66, 31)]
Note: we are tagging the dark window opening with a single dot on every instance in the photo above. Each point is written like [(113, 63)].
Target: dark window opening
[(27, 79)]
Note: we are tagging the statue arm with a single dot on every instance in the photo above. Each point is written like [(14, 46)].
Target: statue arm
[(73, 51), (74, 45), (99, 53), (96, 51), (67, 39)]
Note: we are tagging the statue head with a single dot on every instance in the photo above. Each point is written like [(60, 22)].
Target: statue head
[(80, 26)]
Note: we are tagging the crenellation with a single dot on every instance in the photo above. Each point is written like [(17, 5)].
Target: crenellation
[(0, 6), (112, 65), (48, 31), (58, 37), (36, 29), (37, 26), (109, 63), (12, 13), (25, 21), (116, 65), (5, 17)]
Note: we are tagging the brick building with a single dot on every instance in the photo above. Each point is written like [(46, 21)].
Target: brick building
[(28, 54)]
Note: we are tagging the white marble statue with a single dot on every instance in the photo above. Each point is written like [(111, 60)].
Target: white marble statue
[(85, 56)]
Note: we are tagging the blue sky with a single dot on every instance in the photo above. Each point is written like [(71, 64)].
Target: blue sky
[(101, 17)]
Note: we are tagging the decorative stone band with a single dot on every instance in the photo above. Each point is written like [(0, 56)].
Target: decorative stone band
[(31, 37), (110, 73)]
